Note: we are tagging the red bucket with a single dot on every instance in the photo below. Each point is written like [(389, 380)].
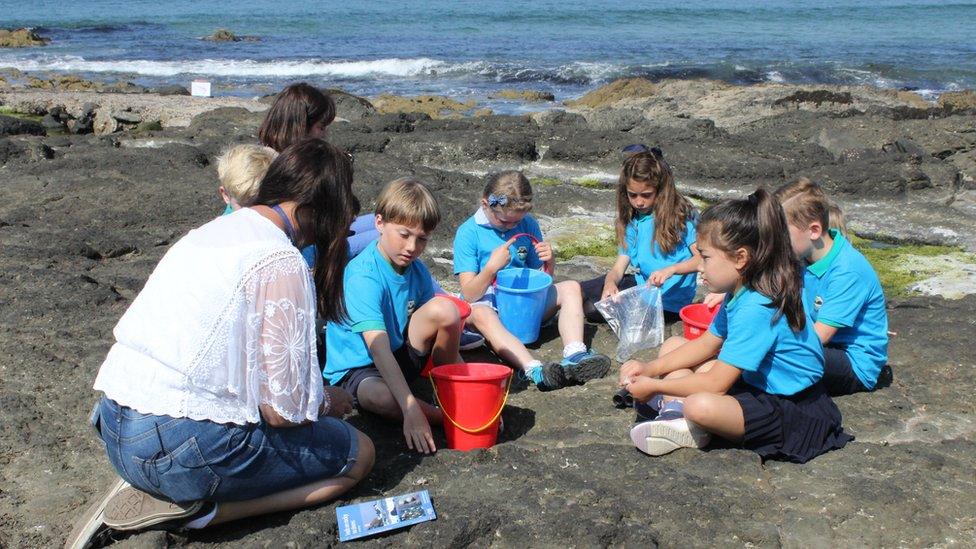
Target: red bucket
[(472, 397), (464, 311), (696, 319)]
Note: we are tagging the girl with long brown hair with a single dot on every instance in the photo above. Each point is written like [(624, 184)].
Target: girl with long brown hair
[(655, 234), (754, 377)]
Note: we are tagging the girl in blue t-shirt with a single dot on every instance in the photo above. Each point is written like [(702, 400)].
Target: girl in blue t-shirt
[(655, 234), (758, 368), (502, 234)]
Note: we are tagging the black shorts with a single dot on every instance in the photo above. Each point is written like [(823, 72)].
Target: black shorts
[(793, 428), (593, 291), (839, 377), (411, 364)]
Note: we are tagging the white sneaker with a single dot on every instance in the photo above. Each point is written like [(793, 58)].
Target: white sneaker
[(660, 437)]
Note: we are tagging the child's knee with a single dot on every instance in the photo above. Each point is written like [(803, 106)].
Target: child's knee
[(569, 289), (700, 407), (482, 316), (671, 344), (442, 312), (374, 396)]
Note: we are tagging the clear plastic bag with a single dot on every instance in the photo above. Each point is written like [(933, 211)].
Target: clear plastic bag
[(637, 317)]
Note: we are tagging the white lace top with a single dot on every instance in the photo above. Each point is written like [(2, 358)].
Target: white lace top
[(225, 323)]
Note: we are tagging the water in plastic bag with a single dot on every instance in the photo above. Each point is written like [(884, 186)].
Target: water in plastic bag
[(637, 317)]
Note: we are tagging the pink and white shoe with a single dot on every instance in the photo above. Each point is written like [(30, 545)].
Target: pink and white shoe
[(663, 436)]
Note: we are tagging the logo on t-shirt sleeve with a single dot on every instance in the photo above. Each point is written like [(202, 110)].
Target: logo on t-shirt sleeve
[(411, 305), (817, 303)]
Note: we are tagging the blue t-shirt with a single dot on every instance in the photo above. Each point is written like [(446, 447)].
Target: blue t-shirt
[(646, 256), (476, 238), (770, 354), (843, 291), (377, 298)]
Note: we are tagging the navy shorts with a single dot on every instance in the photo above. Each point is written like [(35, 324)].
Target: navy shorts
[(411, 364), (839, 377), (182, 460)]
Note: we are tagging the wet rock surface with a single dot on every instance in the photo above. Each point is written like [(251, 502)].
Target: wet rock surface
[(85, 218)]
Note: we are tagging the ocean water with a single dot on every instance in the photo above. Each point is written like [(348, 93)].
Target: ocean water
[(470, 48)]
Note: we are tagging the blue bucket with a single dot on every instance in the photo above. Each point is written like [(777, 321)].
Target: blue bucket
[(520, 296)]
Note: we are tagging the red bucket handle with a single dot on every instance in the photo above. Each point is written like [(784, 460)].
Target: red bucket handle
[(546, 267), (494, 416)]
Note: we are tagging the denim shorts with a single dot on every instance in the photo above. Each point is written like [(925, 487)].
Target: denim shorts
[(181, 460)]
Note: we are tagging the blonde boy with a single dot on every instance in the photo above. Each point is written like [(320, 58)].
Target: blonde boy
[(240, 170), (393, 321)]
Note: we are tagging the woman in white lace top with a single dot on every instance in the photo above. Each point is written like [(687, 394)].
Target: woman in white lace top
[(214, 406)]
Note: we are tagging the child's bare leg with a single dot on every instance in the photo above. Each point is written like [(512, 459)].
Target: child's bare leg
[(512, 351), (435, 327), (375, 396), (686, 372), (701, 369), (569, 303), (718, 414), (671, 344)]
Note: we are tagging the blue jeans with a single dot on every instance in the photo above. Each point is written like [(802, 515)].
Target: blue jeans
[(180, 459)]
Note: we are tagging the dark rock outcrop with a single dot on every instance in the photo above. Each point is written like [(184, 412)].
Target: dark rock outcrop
[(224, 35), (10, 125)]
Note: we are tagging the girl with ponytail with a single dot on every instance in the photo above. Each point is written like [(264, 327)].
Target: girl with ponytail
[(754, 377)]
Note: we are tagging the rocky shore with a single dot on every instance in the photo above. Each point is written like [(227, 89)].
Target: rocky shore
[(97, 185)]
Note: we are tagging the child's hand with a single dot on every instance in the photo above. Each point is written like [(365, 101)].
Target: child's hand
[(713, 300), (416, 430), (544, 251), (658, 277), (609, 289), (500, 256), (641, 387), (630, 369)]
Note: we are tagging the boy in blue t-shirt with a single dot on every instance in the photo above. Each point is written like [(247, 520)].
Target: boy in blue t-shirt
[(393, 323), (841, 293)]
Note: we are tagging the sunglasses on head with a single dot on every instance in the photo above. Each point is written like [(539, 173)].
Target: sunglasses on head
[(639, 148)]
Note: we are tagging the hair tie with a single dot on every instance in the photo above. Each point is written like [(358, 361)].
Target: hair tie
[(496, 200)]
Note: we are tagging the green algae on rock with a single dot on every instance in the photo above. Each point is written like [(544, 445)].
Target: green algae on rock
[(906, 270), (614, 92), (588, 237)]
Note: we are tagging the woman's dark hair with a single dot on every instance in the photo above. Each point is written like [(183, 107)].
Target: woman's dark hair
[(317, 176), (671, 210), (295, 110), (757, 223)]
